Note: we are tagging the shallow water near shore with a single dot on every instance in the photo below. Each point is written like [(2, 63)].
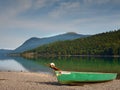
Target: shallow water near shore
[(89, 64)]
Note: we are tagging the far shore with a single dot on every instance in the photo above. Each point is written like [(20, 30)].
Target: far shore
[(34, 55), (41, 81)]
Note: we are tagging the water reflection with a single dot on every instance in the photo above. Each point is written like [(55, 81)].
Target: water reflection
[(92, 64), (11, 65), (89, 64), (21, 64)]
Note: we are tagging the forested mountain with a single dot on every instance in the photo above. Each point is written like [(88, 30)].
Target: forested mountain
[(36, 42), (107, 43)]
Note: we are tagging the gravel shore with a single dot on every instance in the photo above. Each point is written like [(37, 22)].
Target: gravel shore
[(40, 81)]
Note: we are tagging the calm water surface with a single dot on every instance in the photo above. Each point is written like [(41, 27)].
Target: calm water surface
[(90, 64), (21, 64)]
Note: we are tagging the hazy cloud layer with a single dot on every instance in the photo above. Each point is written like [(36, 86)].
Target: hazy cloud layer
[(22, 19)]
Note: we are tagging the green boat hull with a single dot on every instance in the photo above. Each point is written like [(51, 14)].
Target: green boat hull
[(65, 77)]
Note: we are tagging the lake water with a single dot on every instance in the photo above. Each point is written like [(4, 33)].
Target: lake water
[(90, 64), (21, 64)]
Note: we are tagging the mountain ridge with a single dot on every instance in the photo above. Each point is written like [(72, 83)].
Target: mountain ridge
[(102, 44), (36, 42)]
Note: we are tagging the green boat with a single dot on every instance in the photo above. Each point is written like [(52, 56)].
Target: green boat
[(65, 77)]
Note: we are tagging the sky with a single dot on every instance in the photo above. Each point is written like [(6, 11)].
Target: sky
[(23, 19)]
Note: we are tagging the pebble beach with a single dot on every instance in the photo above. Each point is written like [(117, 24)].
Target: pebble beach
[(41, 81)]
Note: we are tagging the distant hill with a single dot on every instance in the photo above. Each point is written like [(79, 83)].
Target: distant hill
[(4, 52), (36, 42), (107, 43)]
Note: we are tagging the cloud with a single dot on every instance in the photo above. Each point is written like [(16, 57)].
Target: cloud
[(26, 18), (10, 18), (11, 10), (63, 14), (38, 4), (65, 8), (83, 8), (90, 2), (15, 8)]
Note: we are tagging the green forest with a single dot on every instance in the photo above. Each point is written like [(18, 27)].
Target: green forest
[(107, 43)]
